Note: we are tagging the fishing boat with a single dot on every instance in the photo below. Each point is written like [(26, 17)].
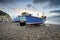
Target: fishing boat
[(28, 19)]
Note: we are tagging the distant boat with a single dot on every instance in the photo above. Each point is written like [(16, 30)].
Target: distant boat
[(29, 20)]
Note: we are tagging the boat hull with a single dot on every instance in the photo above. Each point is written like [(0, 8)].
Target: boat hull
[(29, 20)]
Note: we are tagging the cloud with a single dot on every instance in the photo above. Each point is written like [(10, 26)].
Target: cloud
[(54, 3), (6, 1), (39, 1), (10, 1), (55, 11), (29, 5)]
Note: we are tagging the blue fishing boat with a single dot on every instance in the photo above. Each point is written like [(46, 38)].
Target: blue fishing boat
[(28, 19)]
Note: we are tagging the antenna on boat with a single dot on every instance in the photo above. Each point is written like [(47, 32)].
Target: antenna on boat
[(43, 16)]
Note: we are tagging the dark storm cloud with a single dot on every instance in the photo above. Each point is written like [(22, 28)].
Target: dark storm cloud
[(55, 11), (39, 1), (51, 2), (6, 1), (55, 3), (11, 1)]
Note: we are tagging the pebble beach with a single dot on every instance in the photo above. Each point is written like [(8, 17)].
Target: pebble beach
[(13, 31)]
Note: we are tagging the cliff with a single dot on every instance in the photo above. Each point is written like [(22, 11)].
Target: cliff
[(4, 17)]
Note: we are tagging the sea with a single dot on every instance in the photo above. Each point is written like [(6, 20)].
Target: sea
[(53, 20)]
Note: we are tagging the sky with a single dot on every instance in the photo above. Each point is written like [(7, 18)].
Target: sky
[(51, 8)]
